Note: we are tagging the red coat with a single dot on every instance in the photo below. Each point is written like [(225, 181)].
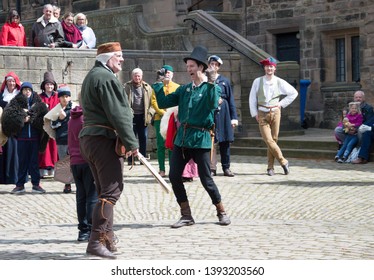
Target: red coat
[(13, 34), (49, 157)]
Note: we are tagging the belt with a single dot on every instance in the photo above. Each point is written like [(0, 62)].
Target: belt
[(267, 109)]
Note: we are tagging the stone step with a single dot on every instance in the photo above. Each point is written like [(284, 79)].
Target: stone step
[(287, 152), (311, 143), (257, 142)]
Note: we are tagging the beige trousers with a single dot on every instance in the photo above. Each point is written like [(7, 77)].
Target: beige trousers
[(269, 124)]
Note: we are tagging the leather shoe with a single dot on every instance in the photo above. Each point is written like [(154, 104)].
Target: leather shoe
[(286, 169), (359, 161), (270, 172), (84, 236), (227, 172), (213, 173)]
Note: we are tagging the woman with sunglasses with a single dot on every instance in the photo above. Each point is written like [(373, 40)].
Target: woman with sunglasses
[(13, 32)]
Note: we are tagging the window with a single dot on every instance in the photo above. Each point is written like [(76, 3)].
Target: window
[(341, 56), (355, 42), (288, 47), (340, 60), (348, 62)]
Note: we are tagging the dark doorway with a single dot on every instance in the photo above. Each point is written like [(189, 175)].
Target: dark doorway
[(288, 47)]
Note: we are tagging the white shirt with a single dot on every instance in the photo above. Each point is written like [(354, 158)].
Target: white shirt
[(284, 88)]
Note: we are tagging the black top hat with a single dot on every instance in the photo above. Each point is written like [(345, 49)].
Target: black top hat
[(199, 54), (48, 78)]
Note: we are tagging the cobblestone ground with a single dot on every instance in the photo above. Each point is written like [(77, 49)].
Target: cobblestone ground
[(321, 210)]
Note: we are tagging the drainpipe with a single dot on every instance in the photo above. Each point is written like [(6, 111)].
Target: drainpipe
[(18, 7), (304, 84)]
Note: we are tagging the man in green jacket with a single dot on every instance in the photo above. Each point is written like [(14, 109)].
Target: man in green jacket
[(106, 113), (196, 103)]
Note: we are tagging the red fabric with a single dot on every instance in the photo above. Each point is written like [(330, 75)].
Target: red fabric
[(12, 74), (170, 133), (72, 33), (49, 157), (13, 34)]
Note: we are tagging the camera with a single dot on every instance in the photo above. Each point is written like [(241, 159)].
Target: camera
[(161, 72)]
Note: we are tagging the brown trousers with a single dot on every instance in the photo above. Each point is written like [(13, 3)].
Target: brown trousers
[(105, 164), (269, 124)]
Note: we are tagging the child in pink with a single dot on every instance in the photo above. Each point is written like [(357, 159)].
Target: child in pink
[(351, 122)]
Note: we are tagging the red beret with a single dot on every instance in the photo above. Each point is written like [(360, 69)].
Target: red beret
[(109, 47), (269, 61)]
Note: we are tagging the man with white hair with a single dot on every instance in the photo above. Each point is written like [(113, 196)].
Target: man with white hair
[(366, 111), (139, 95), (47, 30), (107, 113)]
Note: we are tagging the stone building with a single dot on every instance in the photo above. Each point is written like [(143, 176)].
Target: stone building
[(328, 42)]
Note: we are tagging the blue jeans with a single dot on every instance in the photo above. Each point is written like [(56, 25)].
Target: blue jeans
[(349, 143), (86, 195), (366, 140)]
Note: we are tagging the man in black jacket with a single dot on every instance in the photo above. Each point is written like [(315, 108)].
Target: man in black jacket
[(47, 30), (366, 142)]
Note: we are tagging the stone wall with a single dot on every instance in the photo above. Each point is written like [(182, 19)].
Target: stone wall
[(316, 21), (130, 26)]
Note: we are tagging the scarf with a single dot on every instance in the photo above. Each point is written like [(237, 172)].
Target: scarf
[(72, 34), (81, 27)]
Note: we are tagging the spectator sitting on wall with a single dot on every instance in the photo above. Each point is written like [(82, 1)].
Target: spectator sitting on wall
[(73, 37), (13, 32), (56, 11), (47, 30), (89, 38)]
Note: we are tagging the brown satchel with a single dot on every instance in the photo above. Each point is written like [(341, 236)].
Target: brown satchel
[(120, 148)]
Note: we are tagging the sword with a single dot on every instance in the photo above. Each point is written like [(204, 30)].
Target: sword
[(159, 179)]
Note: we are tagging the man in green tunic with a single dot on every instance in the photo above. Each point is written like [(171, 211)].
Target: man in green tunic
[(106, 112), (196, 103)]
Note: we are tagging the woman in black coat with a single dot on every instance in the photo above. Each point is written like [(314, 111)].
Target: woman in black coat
[(23, 119)]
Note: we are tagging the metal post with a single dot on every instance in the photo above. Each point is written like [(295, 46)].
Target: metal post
[(303, 91)]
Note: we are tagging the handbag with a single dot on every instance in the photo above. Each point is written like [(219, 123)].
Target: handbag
[(353, 155), (63, 172)]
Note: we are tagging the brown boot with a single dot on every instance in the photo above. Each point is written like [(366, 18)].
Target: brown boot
[(96, 246), (97, 243), (111, 238), (186, 219), (223, 219)]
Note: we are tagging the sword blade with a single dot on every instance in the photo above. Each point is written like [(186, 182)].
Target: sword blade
[(153, 171)]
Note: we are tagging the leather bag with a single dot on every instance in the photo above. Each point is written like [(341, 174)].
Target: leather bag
[(63, 172), (120, 148)]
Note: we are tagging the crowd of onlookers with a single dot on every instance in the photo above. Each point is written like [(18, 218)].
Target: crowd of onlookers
[(70, 31), (34, 133)]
